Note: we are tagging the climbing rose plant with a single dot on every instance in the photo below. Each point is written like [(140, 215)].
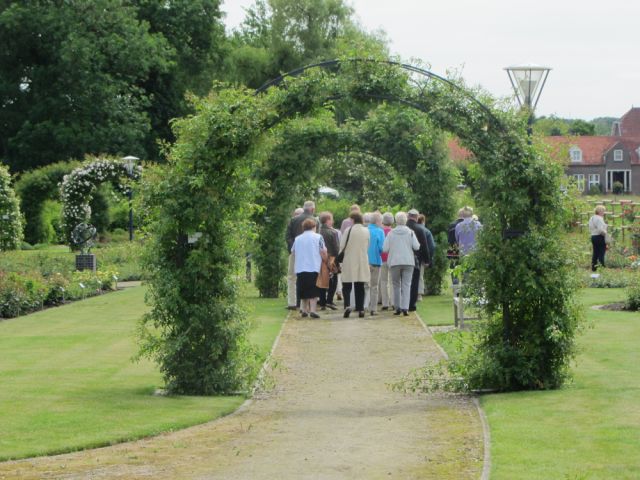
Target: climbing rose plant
[(11, 221), (196, 330), (78, 187)]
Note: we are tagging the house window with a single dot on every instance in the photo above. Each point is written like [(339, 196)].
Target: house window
[(576, 154), (579, 178), (594, 180), (617, 155)]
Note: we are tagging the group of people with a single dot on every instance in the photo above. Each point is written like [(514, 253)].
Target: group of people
[(366, 262)]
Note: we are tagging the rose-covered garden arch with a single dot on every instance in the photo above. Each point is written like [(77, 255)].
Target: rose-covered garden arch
[(396, 135), (527, 338), (77, 188)]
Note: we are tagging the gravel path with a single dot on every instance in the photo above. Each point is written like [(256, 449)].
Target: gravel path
[(330, 415)]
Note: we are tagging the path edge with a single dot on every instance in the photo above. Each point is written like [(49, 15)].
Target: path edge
[(486, 432)]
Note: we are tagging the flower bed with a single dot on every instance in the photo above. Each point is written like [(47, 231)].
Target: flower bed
[(22, 293)]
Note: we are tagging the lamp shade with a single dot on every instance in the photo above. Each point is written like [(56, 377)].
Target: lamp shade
[(129, 162), (528, 81)]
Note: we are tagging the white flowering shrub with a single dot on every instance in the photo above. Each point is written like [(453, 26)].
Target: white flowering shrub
[(77, 189), (11, 223)]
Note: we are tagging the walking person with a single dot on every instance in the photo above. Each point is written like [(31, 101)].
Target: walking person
[(291, 271), (598, 231), (422, 221), (355, 265), (310, 252), (467, 232), (293, 230), (330, 237), (385, 273), (376, 241), (424, 255), (401, 245)]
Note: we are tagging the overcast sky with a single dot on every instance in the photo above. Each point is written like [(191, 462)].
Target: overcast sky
[(594, 49)]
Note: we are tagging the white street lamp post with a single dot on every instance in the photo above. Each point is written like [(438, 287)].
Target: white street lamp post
[(528, 81)]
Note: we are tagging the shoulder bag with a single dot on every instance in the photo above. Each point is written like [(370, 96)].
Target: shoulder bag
[(340, 257)]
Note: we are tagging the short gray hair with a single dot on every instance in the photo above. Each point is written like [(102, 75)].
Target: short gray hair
[(387, 218), (367, 217), (401, 218), (309, 206), (467, 212), (376, 217)]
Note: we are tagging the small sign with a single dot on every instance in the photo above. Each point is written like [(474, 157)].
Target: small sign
[(82, 285), (5, 217)]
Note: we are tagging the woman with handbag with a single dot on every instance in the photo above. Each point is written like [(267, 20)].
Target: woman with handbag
[(309, 252), (598, 231), (355, 263), (329, 268)]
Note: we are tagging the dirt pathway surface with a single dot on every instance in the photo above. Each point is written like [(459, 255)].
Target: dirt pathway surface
[(330, 415)]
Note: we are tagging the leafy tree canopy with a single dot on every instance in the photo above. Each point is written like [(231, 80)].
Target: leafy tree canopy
[(280, 35), (104, 76)]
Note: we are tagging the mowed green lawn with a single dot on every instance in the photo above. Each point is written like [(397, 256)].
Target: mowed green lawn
[(67, 380), (588, 430)]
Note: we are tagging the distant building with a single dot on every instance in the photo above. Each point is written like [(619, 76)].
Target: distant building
[(597, 162)]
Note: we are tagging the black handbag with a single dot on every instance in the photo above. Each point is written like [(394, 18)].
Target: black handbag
[(340, 257)]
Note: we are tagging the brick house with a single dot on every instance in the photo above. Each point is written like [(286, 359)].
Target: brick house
[(594, 161), (606, 160)]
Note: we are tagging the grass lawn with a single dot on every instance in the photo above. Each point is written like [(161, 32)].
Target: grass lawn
[(588, 430), (68, 381)]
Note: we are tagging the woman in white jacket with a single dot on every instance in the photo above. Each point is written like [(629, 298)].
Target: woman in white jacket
[(355, 267), (401, 243)]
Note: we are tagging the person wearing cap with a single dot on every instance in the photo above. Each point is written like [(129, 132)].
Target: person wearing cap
[(424, 255)]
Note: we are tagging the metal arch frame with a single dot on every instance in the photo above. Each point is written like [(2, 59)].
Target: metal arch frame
[(405, 66)]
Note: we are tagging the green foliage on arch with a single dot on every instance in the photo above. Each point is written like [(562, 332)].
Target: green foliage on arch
[(410, 146), (78, 188), (198, 335), (35, 188)]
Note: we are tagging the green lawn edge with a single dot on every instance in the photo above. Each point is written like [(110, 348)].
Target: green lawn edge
[(587, 430), (69, 383)]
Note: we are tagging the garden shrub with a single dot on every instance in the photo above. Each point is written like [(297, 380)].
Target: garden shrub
[(23, 293), (10, 217), (35, 188), (609, 278), (618, 188), (633, 295)]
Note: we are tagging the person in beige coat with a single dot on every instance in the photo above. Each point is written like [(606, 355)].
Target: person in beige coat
[(355, 266)]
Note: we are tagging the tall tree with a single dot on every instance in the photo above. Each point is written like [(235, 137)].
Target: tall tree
[(195, 32), (280, 35), (70, 79)]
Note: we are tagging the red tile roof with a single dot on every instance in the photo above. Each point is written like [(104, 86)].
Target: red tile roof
[(457, 153), (630, 123), (595, 147)]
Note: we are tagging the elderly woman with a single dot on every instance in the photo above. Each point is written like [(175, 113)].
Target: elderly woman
[(309, 252), (355, 266), (598, 230), (400, 244)]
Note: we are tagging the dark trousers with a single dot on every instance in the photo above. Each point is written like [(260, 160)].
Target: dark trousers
[(359, 294), (599, 249), (415, 281), (326, 294)]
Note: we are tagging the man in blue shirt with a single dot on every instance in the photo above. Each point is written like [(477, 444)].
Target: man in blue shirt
[(376, 240)]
